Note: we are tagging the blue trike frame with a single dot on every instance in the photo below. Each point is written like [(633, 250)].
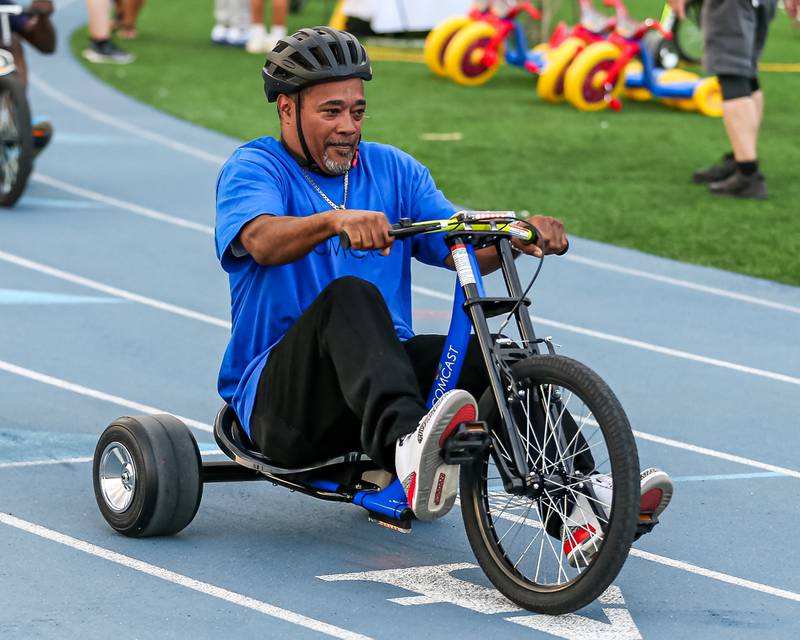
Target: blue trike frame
[(470, 309)]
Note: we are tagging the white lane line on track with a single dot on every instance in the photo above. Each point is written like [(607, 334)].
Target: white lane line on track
[(83, 460), (94, 393), (204, 155), (129, 404), (184, 581), (716, 575), (685, 284), (667, 351), (639, 344), (113, 121), (680, 564), (114, 291), (196, 315), (122, 204)]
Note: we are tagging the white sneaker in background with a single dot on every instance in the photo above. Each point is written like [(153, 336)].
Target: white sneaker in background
[(430, 484), (219, 34), (260, 41), (236, 37)]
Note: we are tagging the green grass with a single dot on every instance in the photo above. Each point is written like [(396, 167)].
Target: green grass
[(621, 177)]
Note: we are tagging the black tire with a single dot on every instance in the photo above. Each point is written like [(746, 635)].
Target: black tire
[(687, 34), (147, 475), (484, 526), (16, 141)]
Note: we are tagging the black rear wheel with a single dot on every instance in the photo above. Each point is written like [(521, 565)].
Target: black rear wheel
[(572, 427), (16, 142), (147, 475)]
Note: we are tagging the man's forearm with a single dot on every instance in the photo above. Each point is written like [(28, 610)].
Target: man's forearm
[(277, 240)]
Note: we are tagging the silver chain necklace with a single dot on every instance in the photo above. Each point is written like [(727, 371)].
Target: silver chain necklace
[(331, 204)]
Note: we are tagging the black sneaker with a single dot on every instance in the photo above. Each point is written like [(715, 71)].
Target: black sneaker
[(741, 186), (724, 168), (107, 52)]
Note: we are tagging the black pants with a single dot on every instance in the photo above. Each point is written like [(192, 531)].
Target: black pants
[(340, 380)]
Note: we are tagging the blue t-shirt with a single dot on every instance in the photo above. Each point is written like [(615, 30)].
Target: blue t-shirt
[(261, 177)]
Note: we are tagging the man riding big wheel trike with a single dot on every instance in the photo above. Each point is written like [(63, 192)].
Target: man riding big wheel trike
[(325, 383)]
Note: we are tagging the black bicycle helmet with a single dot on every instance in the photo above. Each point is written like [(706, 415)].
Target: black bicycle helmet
[(313, 56)]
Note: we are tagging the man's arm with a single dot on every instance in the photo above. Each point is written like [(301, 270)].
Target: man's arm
[(552, 240), (277, 240), (39, 30)]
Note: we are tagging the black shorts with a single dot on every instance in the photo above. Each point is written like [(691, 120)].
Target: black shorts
[(735, 32)]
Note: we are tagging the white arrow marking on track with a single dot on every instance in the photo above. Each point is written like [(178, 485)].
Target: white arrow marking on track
[(620, 625), (436, 584)]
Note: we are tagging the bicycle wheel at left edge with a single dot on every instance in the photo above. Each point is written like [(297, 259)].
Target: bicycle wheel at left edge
[(16, 141), (571, 426)]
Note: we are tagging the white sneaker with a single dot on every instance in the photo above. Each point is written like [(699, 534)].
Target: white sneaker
[(430, 484), (219, 34), (584, 531), (260, 42), (236, 37)]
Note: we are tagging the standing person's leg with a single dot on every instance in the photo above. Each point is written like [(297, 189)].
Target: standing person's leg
[(222, 21), (735, 34), (280, 8), (130, 13), (257, 40), (101, 49)]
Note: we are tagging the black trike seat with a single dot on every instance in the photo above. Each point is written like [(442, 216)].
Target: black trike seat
[(235, 443)]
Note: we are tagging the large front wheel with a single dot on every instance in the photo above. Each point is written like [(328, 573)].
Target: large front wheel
[(583, 474), (551, 80)]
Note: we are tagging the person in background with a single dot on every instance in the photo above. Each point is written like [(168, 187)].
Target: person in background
[(35, 27), (734, 34), (260, 41), (232, 20), (126, 12), (101, 48)]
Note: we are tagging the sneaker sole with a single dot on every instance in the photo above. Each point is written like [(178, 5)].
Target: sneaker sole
[(434, 477), (97, 58), (582, 555), (657, 489)]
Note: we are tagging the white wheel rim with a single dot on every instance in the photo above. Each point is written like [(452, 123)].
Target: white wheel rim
[(117, 477)]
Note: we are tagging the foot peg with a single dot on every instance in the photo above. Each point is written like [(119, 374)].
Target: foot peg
[(401, 525), (646, 523), (467, 442)]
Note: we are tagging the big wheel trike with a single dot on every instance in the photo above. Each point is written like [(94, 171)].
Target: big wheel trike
[(547, 424), (597, 76), (469, 49), (565, 43)]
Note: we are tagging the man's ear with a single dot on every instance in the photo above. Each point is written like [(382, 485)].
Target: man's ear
[(286, 108)]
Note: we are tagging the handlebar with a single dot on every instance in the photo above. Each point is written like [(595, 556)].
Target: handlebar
[(484, 221)]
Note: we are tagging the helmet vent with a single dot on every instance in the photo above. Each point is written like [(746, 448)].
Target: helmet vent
[(300, 61), (319, 57), (353, 52), (337, 52)]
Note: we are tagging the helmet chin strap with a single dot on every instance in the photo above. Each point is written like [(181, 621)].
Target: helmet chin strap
[(309, 160)]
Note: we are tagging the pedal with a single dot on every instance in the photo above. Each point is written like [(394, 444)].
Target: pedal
[(395, 524), (646, 523), (466, 443)]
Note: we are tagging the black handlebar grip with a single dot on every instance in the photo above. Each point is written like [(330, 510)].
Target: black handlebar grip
[(344, 240)]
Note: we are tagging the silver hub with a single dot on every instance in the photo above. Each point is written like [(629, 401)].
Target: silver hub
[(117, 477)]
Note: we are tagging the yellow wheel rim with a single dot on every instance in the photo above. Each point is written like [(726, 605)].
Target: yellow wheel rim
[(461, 59)]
